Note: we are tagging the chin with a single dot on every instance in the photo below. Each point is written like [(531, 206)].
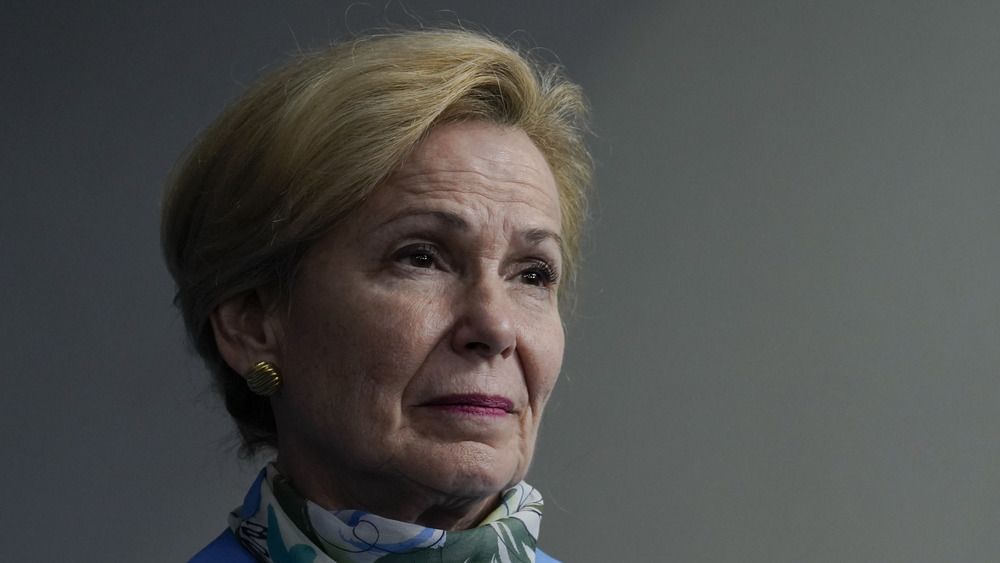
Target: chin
[(477, 471)]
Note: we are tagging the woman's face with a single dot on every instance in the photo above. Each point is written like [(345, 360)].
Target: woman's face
[(423, 336)]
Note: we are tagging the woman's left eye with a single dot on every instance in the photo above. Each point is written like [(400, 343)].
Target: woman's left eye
[(540, 274)]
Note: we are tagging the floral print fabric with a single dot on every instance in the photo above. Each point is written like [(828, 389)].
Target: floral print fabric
[(277, 525)]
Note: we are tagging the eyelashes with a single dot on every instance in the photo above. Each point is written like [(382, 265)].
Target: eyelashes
[(541, 274), (531, 271)]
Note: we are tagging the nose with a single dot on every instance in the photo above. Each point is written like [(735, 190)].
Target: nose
[(485, 325)]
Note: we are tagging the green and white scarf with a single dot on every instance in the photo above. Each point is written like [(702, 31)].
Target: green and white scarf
[(277, 525)]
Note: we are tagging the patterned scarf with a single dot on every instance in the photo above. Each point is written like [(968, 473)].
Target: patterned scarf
[(277, 525)]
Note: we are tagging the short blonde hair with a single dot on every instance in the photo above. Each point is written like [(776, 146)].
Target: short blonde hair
[(306, 145)]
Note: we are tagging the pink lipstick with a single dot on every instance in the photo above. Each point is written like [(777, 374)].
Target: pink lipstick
[(477, 405)]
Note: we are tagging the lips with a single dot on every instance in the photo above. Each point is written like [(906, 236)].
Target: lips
[(482, 405)]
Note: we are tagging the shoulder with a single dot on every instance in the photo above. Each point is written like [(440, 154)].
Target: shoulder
[(541, 557), (224, 549)]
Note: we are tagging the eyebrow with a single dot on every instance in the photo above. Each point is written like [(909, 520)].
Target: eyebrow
[(536, 236), (446, 218)]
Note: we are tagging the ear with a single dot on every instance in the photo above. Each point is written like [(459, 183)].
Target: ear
[(247, 330)]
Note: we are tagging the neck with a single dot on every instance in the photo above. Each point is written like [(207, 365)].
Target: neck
[(397, 499)]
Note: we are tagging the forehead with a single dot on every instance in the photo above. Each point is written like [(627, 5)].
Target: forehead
[(476, 164)]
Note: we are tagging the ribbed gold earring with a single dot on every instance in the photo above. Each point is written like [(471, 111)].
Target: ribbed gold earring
[(263, 378)]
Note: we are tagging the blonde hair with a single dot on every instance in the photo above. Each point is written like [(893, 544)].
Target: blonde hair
[(308, 143)]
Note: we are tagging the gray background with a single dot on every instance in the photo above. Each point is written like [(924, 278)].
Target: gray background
[(786, 346)]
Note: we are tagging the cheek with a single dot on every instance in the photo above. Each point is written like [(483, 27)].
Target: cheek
[(547, 363), (354, 361), (390, 337)]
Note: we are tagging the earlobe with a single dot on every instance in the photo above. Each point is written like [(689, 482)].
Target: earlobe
[(247, 331)]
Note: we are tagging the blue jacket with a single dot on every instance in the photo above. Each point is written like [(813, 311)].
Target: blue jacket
[(225, 549)]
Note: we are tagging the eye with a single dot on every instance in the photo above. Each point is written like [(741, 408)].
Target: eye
[(422, 255), (540, 274), (421, 260)]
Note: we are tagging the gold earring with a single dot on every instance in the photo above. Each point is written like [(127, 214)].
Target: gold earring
[(263, 378)]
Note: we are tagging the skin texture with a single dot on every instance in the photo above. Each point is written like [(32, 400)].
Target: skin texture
[(442, 284)]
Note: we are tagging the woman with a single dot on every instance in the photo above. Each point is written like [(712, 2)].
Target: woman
[(370, 248)]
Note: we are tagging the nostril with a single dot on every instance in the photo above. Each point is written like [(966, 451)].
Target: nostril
[(477, 347)]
